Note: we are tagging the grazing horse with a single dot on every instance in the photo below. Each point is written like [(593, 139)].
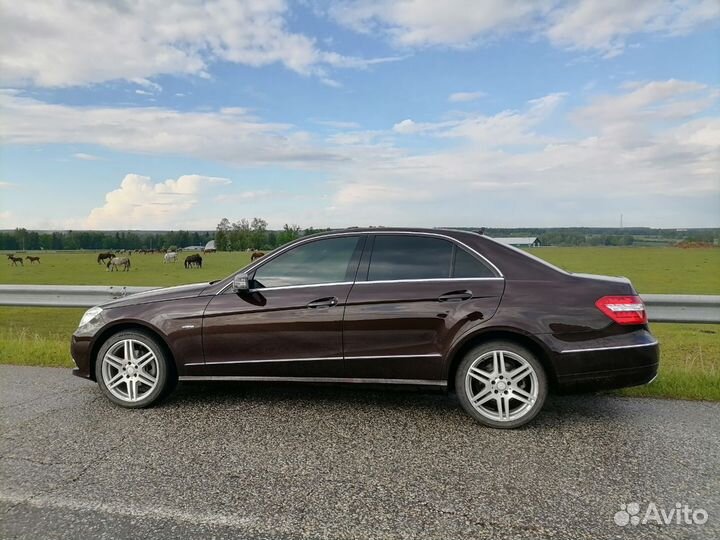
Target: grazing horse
[(15, 260), (33, 259), (119, 261), (102, 257), (256, 255), (170, 257), (193, 261)]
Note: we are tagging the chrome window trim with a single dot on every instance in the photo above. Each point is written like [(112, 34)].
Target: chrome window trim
[(429, 280), (591, 349), (280, 251), (423, 382)]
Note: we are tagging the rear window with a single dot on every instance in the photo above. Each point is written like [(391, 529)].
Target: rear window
[(397, 257)]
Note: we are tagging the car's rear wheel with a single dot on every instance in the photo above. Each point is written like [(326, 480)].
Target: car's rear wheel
[(501, 384), (132, 369)]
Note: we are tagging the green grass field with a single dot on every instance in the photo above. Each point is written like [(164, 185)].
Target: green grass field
[(83, 269), (690, 367), (665, 270)]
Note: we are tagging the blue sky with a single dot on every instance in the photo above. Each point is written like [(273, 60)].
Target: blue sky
[(150, 115)]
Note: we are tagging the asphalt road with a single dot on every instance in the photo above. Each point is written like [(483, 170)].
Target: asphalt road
[(243, 461)]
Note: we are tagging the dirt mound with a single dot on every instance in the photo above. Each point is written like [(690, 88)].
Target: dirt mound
[(689, 245)]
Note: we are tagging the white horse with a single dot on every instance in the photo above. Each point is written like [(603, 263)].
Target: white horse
[(119, 261), (170, 257)]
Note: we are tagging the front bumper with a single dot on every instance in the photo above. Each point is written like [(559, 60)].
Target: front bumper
[(625, 360), (80, 347)]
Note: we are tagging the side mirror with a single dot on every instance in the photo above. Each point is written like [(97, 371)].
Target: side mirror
[(241, 283)]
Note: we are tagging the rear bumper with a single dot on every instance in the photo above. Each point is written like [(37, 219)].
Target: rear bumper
[(627, 360)]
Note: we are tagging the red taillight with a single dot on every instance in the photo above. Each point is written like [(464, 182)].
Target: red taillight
[(623, 309)]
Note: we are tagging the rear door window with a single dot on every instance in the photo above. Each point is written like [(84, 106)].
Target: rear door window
[(398, 257)]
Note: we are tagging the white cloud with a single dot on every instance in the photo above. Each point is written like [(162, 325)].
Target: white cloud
[(605, 24), (338, 124), (651, 139), (7, 185), (543, 163), (140, 203), (601, 25), (462, 97), (55, 43), (229, 135), (407, 127), (86, 157)]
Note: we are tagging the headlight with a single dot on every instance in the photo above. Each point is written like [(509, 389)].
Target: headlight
[(89, 315)]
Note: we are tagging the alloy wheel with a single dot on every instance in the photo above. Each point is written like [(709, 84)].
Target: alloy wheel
[(130, 370), (501, 385)]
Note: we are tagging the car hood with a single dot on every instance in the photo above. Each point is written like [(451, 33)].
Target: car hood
[(159, 295)]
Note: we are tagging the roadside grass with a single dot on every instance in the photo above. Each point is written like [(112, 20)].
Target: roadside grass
[(689, 363), (689, 366)]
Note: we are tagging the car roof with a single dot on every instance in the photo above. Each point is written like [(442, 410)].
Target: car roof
[(427, 230)]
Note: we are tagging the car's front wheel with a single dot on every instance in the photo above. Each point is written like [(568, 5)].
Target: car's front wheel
[(132, 369), (501, 384)]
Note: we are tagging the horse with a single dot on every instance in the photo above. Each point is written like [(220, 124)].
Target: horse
[(118, 261), (170, 257), (15, 259), (193, 261), (256, 255), (33, 259), (102, 257)]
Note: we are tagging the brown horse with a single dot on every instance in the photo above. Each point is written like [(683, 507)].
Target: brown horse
[(15, 259), (33, 259), (193, 261), (256, 255), (102, 257)]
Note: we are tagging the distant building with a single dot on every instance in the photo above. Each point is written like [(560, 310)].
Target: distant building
[(210, 246), (529, 241), (192, 248)]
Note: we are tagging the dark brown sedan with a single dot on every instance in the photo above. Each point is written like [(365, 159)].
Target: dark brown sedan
[(448, 309)]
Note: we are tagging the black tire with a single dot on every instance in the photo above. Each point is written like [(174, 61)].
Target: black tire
[(162, 370), (487, 391)]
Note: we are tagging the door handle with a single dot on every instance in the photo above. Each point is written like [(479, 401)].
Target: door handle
[(455, 296), (323, 302)]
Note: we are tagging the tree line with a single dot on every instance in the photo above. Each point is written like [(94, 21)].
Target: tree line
[(22, 239), (253, 234), (245, 234)]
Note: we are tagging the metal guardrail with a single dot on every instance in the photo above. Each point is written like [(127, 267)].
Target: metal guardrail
[(63, 295), (678, 308), (682, 308)]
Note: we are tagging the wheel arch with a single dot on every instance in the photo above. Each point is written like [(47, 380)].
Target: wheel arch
[(122, 326), (514, 335)]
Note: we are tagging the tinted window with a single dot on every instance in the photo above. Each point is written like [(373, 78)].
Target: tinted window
[(467, 266), (322, 261), (409, 257)]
